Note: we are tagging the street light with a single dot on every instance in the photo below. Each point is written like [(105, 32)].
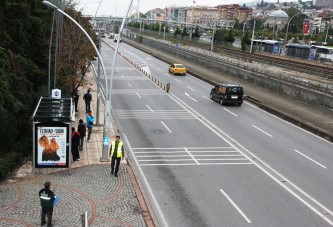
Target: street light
[(106, 132), (289, 23), (107, 115), (245, 23), (98, 67), (254, 27)]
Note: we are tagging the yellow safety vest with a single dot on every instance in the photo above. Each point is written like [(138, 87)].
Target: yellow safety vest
[(119, 151)]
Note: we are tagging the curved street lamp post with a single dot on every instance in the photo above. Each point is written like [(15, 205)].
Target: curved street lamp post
[(289, 23), (107, 115)]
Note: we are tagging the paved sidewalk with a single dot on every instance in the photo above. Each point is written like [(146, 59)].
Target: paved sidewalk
[(87, 186)]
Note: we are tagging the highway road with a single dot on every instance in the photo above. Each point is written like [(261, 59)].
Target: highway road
[(204, 164)]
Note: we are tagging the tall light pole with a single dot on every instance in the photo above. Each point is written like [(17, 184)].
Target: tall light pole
[(98, 68), (289, 23), (245, 23), (254, 27), (328, 27), (107, 115)]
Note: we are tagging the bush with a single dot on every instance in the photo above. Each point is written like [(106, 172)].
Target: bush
[(9, 163)]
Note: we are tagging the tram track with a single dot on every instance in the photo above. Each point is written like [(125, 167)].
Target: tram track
[(318, 69)]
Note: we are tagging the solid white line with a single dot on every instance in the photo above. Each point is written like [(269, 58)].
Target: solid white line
[(189, 153), (291, 189), (221, 159), (166, 126), (230, 112), (159, 210), (178, 81), (165, 160), (192, 164), (138, 95), (208, 99), (311, 159), (180, 151), (129, 84), (150, 108), (217, 155), (167, 74), (235, 205), (151, 65), (175, 148), (158, 69), (262, 131), (123, 76), (151, 156), (190, 88)]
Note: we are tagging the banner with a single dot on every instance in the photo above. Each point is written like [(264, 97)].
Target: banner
[(306, 27), (52, 146)]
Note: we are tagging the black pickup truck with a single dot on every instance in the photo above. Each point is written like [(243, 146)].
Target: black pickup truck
[(226, 93)]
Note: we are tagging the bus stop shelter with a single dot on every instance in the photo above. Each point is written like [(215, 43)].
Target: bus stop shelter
[(51, 133)]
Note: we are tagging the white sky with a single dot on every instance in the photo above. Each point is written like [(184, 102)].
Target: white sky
[(119, 7)]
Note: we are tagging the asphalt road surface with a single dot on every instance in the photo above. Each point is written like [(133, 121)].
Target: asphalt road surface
[(204, 164)]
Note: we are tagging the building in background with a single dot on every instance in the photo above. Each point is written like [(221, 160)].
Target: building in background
[(326, 3)]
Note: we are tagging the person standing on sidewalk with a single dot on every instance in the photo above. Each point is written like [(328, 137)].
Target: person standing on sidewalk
[(87, 98), (76, 95), (46, 197), (81, 128), (90, 124), (75, 145), (116, 154)]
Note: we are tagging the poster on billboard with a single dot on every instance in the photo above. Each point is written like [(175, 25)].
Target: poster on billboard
[(51, 145)]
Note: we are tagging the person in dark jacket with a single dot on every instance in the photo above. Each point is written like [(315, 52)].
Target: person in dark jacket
[(81, 128), (87, 98), (75, 145), (76, 95), (46, 197)]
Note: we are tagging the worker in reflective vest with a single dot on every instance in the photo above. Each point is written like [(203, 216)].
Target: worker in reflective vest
[(116, 154)]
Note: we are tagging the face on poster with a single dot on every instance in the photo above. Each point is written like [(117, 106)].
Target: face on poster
[(51, 147)]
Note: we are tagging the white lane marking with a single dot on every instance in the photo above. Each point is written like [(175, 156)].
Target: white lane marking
[(129, 84), (151, 65), (166, 126), (167, 74), (175, 148), (159, 210), (189, 153), (293, 189), (178, 81), (192, 164), (159, 69), (138, 95), (188, 95), (122, 76), (185, 155), (190, 88), (150, 108), (169, 152), (310, 159), (235, 205), (230, 112), (208, 99), (262, 131)]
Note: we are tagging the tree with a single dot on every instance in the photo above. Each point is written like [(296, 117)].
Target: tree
[(76, 52), (230, 38), (246, 40), (196, 32)]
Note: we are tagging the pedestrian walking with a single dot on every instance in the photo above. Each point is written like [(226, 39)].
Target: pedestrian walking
[(46, 197), (81, 128), (75, 145), (76, 95), (116, 153), (87, 98), (90, 124)]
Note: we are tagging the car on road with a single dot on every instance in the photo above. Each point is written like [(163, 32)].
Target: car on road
[(116, 37), (227, 93), (177, 69)]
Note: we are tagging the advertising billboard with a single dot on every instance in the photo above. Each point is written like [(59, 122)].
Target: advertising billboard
[(51, 145)]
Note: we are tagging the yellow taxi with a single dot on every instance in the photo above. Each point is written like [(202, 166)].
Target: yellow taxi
[(177, 69)]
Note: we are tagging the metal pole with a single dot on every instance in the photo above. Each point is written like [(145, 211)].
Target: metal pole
[(212, 42), (50, 54), (254, 26), (328, 27), (98, 78), (106, 132), (164, 32)]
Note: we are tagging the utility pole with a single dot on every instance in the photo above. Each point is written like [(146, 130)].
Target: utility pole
[(254, 27)]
